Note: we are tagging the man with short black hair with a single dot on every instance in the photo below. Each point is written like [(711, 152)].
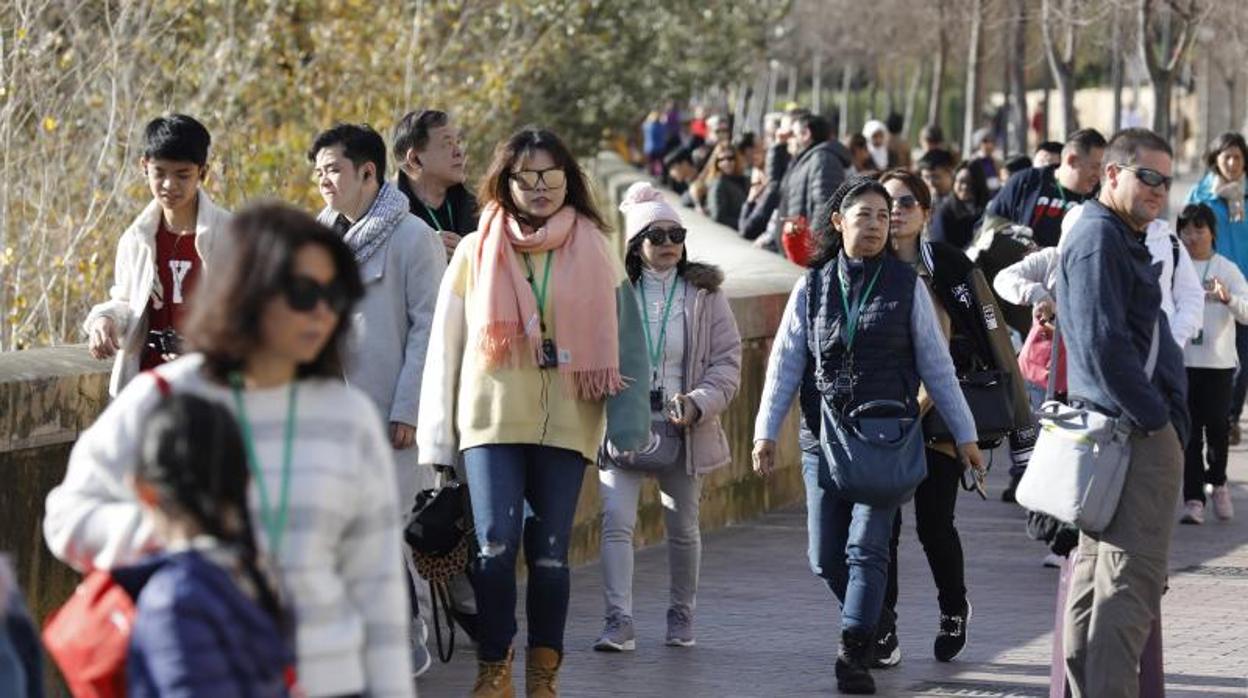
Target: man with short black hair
[(936, 169), (1038, 198), (1108, 303), (1047, 153), (401, 261), (818, 167), (429, 150)]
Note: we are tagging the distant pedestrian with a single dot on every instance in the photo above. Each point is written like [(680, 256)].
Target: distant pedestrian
[(432, 162), (958, 218), (983, 158), (727, 186)]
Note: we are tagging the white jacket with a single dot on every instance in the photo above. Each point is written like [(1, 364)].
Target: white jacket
[(1216, 348), (134, 278), (1182, 297)]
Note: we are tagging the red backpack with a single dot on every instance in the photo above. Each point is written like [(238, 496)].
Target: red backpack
[(89, 637)]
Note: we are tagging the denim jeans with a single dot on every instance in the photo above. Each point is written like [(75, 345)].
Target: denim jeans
[(848, 547), (679, 492), (531, 490)]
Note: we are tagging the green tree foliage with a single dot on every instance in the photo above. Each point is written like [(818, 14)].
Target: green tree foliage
[(78, 78)]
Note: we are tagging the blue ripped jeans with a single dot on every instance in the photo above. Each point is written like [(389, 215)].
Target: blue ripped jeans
[(531, 490), (848, 548)]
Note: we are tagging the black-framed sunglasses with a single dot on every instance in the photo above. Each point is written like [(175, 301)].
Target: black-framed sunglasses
[(907, 201), (302, 295), (552, 177), (660, 236), (1149, 177)]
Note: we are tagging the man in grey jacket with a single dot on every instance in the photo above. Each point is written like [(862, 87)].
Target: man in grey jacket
[(1109, 303), (401, 262)]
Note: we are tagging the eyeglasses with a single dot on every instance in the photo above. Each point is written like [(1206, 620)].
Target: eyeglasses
[(552, 178), (660, 236), (303, 294), (1150, 178), (907, 201)]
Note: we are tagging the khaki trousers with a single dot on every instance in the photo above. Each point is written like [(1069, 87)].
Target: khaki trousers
[(1118, 579)]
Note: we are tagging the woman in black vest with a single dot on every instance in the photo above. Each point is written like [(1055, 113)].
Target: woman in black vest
[(945, 272), (856, 295)]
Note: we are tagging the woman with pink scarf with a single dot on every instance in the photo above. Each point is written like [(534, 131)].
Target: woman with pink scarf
[(536, 353), (1222, 189)]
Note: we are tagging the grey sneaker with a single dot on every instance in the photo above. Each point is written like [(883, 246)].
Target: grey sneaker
[(680, 628), (617, 635)]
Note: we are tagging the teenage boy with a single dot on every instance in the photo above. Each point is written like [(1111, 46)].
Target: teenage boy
[(936, 169), (401, 263), (161, 255), (429, 150)]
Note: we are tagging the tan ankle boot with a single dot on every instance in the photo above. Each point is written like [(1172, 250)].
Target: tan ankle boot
[(494, 679), (541, 673)]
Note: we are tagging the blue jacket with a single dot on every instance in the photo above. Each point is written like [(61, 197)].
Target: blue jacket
[(196, 634), (1109, 302), (1232, 237)]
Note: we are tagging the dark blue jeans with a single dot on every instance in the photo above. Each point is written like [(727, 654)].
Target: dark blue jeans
[(848, 548), (529, 490), (1240, 391)]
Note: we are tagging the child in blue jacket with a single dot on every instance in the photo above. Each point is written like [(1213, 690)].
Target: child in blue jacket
[(208, 621)]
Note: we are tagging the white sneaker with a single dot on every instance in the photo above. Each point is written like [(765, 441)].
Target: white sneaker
[(1193, 512), (1222, 506), (422, 659), (1053, 560)]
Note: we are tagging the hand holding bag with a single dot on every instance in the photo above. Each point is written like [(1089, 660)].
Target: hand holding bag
[(666, 450), (1081, 458)]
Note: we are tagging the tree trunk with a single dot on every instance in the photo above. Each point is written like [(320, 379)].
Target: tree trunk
[(1019, 75), (937, 93), (1062, 67), (974, 46), (1163, 67), (847, 74), (872, 94), (792, 97), (816, 81), (912, 96), (1115, 69)]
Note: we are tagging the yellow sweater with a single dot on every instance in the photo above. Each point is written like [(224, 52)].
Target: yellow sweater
[(524, 405)]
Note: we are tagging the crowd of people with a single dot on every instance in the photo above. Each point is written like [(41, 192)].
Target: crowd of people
[(285, 384)]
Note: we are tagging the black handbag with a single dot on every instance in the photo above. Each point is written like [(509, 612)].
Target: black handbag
[(988, 394), (440, 533)]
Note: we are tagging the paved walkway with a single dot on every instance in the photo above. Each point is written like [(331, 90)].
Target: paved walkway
[(767, 627)]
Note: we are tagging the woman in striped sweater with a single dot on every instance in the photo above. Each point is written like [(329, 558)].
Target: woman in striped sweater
[(267, 331)]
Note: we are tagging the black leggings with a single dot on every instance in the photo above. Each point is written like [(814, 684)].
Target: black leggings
[(1208, 400), (934, 502)]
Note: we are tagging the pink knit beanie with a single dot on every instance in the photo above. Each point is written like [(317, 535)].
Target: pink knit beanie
[(643, 205)]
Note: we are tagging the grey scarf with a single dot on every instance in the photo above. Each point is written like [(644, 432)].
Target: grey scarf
[(373, 229)]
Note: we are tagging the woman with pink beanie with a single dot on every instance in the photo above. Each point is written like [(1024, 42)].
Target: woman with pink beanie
[(695, 360)]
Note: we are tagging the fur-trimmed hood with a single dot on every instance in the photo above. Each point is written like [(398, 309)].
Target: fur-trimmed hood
[(706, 277)]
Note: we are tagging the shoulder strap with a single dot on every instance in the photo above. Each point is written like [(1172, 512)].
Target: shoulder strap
[(1174, 250), (813, 277), (1153, 349), (162, 384), (1050, 392)]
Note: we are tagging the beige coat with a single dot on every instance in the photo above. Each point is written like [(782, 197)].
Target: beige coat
[(712, 367)]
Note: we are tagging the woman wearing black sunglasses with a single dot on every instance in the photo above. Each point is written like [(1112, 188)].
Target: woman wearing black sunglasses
[(947, 274), (267, 329), (695, 367), (535, 332)]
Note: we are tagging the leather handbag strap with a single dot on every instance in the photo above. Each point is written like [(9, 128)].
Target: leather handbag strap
[(1153, 349), (1050, 393)]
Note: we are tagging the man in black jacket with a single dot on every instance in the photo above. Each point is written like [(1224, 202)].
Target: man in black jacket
[(817, 170), (429, 149)]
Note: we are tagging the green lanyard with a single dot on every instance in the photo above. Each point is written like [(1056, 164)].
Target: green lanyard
[(851, 316), (656, 351), (274, 523), (540, 292), (450, 215)]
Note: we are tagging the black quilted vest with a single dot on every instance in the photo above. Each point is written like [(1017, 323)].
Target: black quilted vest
[(883, 349)]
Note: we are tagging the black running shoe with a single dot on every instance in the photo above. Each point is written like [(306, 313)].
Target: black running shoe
[(952, 635), (887, 650)]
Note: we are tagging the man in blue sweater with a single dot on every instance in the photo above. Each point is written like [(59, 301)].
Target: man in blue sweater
[(1109, 302)]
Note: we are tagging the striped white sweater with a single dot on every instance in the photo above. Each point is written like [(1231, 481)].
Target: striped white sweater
[(340, 561)]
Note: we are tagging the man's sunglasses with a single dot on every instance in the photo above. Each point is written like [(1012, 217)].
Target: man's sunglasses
[(302, 295), (907, 201), (553, 178), (660, 236), (1150, 178)]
